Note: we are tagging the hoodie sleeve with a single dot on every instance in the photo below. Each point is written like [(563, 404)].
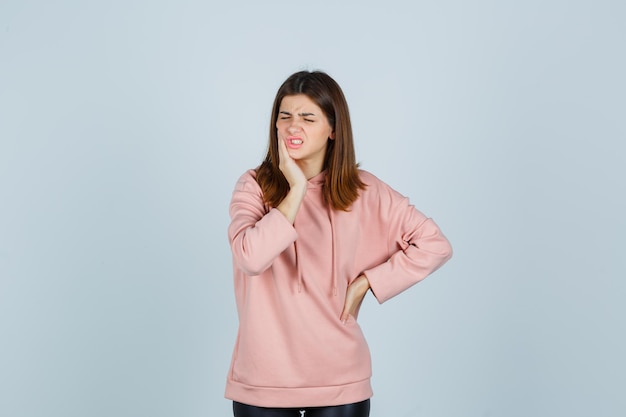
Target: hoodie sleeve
[(256, 236), (415, 244)]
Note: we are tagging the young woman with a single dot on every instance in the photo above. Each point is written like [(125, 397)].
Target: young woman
[(310, 235)]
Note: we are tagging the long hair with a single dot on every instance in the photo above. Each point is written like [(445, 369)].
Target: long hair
[(342, 182)]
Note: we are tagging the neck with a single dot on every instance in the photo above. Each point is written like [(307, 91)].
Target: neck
[(310, 169)]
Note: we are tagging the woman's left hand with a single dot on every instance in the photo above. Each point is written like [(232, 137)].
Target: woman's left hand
[(354, 296)]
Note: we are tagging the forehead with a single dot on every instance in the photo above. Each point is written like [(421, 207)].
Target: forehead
[(299, 103)]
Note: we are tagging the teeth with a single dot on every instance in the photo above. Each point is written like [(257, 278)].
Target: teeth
[(296, 141)]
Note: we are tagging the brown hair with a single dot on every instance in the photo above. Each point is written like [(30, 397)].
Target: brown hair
[(342, 183)]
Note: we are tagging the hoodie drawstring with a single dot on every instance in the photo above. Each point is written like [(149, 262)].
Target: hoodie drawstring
[(298, 267), (334, 247), (334, 255)]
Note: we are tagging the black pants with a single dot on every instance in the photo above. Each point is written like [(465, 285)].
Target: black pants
[(361, 409)]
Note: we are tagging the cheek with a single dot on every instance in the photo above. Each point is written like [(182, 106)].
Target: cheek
[(280, 126)]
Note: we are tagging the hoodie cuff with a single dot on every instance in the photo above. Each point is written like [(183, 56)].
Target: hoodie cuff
[(376, 278)]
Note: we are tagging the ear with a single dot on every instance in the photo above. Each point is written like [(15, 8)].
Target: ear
[(332, 135)]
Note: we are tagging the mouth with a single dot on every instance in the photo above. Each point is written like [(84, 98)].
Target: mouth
[(294, 142)]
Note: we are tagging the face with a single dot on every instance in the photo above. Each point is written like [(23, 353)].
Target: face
[(305, 129)]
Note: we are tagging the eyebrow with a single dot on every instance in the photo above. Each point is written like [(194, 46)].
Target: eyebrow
[(299, 114)]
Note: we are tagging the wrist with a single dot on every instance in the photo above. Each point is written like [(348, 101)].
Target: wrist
[(363, 283), (298, 189)]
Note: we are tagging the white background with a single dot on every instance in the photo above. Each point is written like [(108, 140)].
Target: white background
[(125, 124)]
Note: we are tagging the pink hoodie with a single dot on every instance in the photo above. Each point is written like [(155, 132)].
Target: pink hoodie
[(292, 350)]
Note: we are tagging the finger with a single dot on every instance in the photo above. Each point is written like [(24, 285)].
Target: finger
[(282, 151), (347, 308), (284, 159), (345, 315)]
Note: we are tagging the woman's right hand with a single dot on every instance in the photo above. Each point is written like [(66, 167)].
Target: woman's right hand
[(288, 166), (297, 183)]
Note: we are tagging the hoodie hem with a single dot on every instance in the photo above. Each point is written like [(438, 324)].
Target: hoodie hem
[(298, 397)]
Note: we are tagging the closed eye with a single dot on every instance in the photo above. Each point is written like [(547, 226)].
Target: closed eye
[(285, 115)]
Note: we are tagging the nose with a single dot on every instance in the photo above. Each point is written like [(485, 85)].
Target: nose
[(294, 126)]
